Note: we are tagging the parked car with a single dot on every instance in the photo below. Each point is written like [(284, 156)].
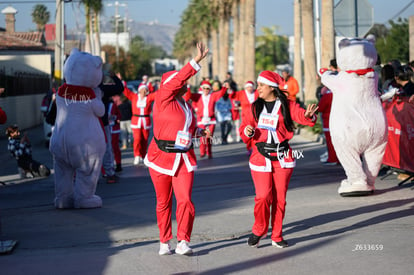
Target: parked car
[(133, 85)]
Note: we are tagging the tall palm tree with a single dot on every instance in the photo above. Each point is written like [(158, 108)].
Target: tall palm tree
[(40, 16), (250, 40), (97, 8), (88, 46), (309, 50), (215, 45), (327, 33), (196, 24), (224, 36), (238, 68), (297, 63), (92, 9)]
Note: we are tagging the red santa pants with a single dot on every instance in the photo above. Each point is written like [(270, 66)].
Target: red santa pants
[(206, 143), (271, 188), (331, 150), (140, 141), (115, 148), (182, 185)]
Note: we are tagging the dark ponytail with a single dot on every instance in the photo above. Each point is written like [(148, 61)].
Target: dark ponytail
[(258, 105)]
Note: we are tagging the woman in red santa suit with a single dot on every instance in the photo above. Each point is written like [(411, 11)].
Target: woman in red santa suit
[(205, 104), (269, 126), (171, 159), (246, 98), (114, 117), (140, 121)]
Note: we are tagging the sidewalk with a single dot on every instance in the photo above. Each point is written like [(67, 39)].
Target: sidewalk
[(327, 234)]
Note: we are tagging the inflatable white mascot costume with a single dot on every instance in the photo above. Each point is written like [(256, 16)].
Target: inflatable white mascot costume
[(357, 123), (78, 142)]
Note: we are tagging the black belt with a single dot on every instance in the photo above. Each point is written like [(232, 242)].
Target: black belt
[(168, 146), (267, 148), (141, 115)]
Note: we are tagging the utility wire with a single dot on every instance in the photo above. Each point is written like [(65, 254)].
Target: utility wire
[(401, 11)]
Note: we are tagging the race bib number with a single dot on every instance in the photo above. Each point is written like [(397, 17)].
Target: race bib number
[(285, 87), (183, 140), (206, 120), (267, 121), (141, 103)]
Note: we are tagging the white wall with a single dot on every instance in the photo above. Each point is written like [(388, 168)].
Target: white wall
[(22, 110)]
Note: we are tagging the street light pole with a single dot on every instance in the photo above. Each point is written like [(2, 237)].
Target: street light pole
[(117, 16)]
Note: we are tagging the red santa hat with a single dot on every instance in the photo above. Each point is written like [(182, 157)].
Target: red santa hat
[(249, 84), (205, 84), (270, 78), (142, 86)]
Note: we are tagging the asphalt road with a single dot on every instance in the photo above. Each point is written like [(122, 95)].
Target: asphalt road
[(328, 234)]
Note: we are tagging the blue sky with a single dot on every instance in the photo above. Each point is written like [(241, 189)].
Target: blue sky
[(268, 12)]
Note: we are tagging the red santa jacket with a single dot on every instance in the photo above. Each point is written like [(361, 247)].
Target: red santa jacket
[(3, 116), (114, 116), (205, 105), (169, 117), (141, 109), (257, 161), (325, 104), (246, 100)]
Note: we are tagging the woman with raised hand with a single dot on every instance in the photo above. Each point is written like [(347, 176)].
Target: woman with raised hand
[(171, 159)]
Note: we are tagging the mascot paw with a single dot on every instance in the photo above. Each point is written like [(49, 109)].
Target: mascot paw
[(64, 203), (358, 188), (92, 202)]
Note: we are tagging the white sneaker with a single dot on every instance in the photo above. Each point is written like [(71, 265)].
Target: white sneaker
[(165, 248), (137, 160), (183, 248), (324, 157)]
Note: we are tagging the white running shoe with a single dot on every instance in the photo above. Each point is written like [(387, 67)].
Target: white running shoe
[(136, 160), (183, 248), (165, 248)]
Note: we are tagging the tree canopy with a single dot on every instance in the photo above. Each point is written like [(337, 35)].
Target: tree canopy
[(392, 43), (137, 61), (40, 16), (271, 49)]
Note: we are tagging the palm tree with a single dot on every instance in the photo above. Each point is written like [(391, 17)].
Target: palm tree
[(327, 33), (92, 10), (250, 40), (309, 50), (297, 64), (97, 8), (238, 68), (88, 46), (40, 16), (224, 36), (215, 45)]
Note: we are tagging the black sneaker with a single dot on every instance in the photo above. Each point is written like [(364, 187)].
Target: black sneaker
[(281, 244), (44, 171), (254, 240), (118, 168)]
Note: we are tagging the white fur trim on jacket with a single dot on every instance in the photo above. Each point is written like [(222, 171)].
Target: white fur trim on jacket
[(175, 166)]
